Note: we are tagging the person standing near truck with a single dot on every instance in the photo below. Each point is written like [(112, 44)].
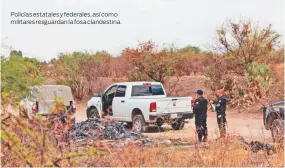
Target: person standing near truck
[(220, 108), (200, 112)]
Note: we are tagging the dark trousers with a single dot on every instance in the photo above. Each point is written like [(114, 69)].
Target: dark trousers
[(222, 124), (201, 126)]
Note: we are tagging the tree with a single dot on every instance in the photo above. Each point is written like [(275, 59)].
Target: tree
[(246, 43), (15, 52), (148, 63), (17, 75), (190, 49), (249, 44), (70, 68), (81, 69), (243, 47)]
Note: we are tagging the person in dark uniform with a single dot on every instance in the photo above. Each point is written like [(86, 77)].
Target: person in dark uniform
[(200, 112), (220, 108)]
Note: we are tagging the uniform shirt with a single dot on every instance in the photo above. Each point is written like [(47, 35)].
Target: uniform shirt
[(200, 106), (221, 105)]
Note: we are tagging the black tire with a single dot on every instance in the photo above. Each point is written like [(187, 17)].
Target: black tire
[(178, 124), (277, 130), (139, 124), (93, 113)]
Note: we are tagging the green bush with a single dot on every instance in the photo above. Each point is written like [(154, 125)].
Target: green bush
[(17, 75), (260, 74)]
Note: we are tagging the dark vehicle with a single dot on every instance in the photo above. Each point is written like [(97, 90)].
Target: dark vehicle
[(273, 118)]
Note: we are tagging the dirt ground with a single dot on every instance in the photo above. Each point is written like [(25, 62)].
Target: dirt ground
[(248, 125)]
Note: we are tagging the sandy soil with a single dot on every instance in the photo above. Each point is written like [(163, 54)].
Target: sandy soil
[(250, 126)]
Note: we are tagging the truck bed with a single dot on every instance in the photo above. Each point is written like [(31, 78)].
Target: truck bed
[(169, 104)]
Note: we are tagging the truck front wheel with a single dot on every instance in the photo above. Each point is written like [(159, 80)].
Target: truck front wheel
[(177, 124), (139, 124), (277, 130)]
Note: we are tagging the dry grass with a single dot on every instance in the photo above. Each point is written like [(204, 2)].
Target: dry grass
[(221, 153), (227, 152)]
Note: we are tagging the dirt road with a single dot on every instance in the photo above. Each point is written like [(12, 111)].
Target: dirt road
[(250, 126)]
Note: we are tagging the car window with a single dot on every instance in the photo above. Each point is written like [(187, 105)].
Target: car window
[(121, 91), (147, 90), (111, 90)]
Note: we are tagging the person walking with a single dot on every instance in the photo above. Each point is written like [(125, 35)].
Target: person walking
[(220, 108), (200, 112)]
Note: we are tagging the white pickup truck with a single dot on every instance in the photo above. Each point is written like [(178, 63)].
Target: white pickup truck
[(141, 104)]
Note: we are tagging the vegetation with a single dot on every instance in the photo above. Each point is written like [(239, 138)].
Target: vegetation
[(243, 47), (146, 63), (79, 69), (30, 144), (17, 75), (15, 52), (245, 62), (240, 63), (38, 142)]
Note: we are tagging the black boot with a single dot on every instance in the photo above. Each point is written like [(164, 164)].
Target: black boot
[(200, 139)]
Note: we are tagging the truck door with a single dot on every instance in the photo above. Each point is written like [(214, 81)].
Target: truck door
[(108, 96), (119, 103)]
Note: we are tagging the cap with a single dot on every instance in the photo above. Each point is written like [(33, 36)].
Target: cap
[(200, 92)]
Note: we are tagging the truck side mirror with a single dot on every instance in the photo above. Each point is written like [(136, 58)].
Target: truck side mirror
[(96, 94)]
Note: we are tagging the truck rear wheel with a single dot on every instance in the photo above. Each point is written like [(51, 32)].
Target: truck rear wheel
[(277, 130), (178, 124), (139, 124)]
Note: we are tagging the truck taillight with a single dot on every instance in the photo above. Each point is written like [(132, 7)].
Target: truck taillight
[(152, 107), (192, 103)]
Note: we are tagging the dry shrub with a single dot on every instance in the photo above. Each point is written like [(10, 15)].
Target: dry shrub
[(185, 85), (227, 152), (34, 143), (190, 66), (119, 67), (148, 62), (20, 141), (279, 157), (100, 84)]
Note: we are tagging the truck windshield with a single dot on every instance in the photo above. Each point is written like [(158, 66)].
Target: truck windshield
[(147, 90)]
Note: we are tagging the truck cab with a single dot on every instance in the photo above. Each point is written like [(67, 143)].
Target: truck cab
[(140, 104)]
